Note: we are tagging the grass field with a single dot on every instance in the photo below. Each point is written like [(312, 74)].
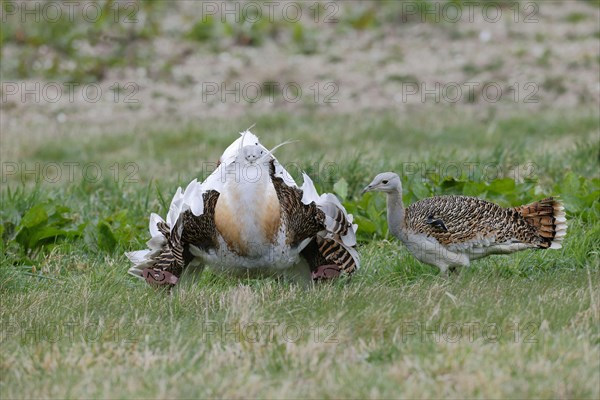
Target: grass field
[(75, 325)]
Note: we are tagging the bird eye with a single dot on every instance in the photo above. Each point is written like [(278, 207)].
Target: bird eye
[(384, 182)]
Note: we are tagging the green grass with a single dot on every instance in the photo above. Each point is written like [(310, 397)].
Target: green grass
[(73, 324)]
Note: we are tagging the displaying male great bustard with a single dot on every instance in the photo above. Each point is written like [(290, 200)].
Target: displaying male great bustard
[(249, 218), (450, 231)]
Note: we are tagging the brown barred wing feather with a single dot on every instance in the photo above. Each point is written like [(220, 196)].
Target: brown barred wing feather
[(320, 227), (201, 231), (453, 220)]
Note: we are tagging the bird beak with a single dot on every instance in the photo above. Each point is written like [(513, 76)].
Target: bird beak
[(365, 190)]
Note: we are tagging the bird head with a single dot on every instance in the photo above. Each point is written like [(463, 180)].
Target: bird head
[(387, 182), (253, 153)]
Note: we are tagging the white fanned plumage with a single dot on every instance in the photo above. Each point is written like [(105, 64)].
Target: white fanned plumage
[(332, 208), (249, 216)]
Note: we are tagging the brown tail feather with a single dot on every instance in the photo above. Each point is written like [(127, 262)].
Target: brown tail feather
[(548, 217)]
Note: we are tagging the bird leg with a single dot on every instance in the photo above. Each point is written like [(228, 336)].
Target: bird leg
[(156, 277), (453, 270), (328, 271)]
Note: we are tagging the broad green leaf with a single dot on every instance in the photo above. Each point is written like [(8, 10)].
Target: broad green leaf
[(106, 238), (34, 216), (365, 226), (502, 186), (474, 188), (57, 217), (364, 200), (341, 188), (46, 232), (351, 207), (23, 237), (419, 189)]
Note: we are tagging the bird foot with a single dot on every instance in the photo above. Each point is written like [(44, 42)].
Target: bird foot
[(328, 271), (158, 277)]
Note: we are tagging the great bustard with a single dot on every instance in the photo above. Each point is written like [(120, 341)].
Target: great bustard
[(450, 231), (249, 217)]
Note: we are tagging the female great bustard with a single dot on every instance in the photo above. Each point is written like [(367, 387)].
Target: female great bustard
[(249, 217), (450, 231)]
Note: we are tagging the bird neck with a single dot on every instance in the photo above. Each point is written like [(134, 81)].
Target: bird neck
[(395, 213)]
